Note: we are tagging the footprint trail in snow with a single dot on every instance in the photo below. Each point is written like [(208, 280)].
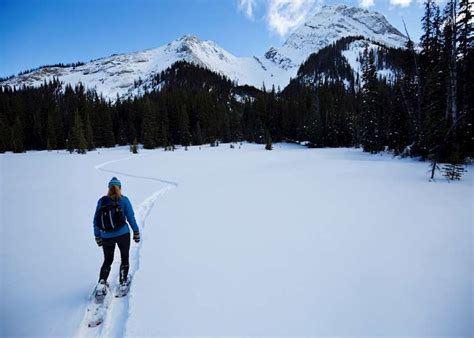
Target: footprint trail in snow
[(116, 314)]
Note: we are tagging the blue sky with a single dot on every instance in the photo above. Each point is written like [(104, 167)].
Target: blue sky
[(39, 32)]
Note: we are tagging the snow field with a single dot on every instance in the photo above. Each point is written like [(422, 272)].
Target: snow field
[(289, 242)]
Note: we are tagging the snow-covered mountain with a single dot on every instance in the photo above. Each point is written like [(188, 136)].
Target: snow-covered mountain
[(119, 74), (329, 25)]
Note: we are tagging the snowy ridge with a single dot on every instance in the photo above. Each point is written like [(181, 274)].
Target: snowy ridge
[(330, 24), (346, 67), (117, 311), (353, 55), (128, 75)]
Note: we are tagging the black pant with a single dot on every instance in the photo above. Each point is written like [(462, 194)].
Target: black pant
[(108, 244)]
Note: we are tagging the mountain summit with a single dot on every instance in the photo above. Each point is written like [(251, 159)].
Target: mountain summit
[(119, 74), (330, 24)]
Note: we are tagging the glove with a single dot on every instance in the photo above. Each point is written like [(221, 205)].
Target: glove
[(136, 237), (98, 240)]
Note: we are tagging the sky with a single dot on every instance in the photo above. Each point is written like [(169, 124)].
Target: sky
[(40, 32)]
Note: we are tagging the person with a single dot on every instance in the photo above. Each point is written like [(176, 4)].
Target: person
[(113, 216)]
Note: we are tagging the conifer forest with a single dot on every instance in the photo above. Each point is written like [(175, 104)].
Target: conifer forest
[(424, 110)]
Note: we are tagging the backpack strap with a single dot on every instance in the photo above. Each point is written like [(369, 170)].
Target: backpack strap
[(102, 200)]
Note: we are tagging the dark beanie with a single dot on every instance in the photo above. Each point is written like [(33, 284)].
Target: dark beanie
[(115, 181)]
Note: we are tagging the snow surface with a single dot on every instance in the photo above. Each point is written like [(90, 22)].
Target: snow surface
[(115, 75), (354, 55), (240, 242)]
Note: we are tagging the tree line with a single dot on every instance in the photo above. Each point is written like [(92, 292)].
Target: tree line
[(424, 109)]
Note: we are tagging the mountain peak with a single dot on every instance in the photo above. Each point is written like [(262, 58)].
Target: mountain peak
[(119, 74), (189, 39), (331, 23), (342, 7), (185, 43), (361, 15)]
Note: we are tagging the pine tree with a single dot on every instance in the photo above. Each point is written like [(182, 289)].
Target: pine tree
[(78, 139), (410, 96), (465, 76), (51, 137), (465, 27), (89, 135), (369, 113), (103, 132), (165, 135), (427, 26), (453, 171), (150, 127), (268, 140), (398, 131), (18, 136), (4, 135), (198, 135), (184, 134), (313, 125), (434, 91), (59, 128), (450, 45), (69, 147)]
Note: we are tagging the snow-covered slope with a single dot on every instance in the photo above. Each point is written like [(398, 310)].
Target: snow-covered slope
[(330, 24), (117, 74), (342, 62), (353, 55)]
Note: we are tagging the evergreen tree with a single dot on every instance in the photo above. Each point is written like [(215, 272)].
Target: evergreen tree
[(18, 136), (369, 113), (150, 127), (427, 26), (434, 98), (450, 51), (465, 76), (313, 123), (89, 135), (184, 134), (51, 137), (410, 97), (78, 140), (4, 135), (398, 131), (268, 140), (198, 135), (453, 171), (103, 131)]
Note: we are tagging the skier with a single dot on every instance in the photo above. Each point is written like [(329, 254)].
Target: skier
[(110, 227)]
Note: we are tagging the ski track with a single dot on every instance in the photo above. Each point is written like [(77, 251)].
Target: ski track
[(115, 320)]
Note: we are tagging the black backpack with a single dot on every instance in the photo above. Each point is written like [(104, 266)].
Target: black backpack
[(110, 216)]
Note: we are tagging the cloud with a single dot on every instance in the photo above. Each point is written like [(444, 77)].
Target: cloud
[(401, 3), (248, 7), (285, 15), (366, 3)]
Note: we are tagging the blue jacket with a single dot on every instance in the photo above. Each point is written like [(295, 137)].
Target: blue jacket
[(126, 206)]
